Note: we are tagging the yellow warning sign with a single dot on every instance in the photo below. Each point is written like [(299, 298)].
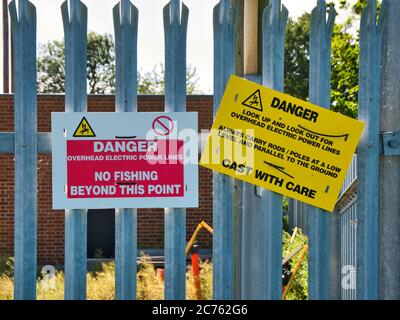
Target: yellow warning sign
[(84, 130), (281, 143)]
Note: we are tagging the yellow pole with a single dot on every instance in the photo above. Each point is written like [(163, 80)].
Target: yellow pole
[(207, 227), (293, 235), (295, 270), (201, 225)]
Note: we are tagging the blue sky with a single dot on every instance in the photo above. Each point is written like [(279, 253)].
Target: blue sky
[(151, 38)]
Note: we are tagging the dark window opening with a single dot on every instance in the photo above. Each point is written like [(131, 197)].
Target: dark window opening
[(101, 234)]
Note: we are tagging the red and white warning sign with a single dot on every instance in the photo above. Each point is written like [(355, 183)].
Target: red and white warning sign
[(132, 159)]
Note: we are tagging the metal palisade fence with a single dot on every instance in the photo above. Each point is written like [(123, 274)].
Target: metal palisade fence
[(376, 155)]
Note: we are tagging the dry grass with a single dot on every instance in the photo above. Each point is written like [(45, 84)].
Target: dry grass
[(101, 285), (149, 287), (6, 287)]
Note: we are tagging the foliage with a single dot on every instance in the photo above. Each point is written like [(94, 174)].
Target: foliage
[(285, 222), (100, 69), (101, 283), (345, 62), (345, 59), (100, 65), (149, 287), (285, 217), (297, 57), (7, 266), (46, 292), (6, 287), (153, 82), (356, 8), (51, 68), (299, 289), (206, 282)]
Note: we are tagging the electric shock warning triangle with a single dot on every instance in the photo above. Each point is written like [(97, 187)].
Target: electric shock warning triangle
[(84, 130), (254, 101)]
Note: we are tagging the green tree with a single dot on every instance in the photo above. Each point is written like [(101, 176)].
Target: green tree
[(345, 61), (100, 69), (51, 68), (297, 56), (152, 82), (100, 62)]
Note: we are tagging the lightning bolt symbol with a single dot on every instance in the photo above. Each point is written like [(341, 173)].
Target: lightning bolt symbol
[(84, 129)]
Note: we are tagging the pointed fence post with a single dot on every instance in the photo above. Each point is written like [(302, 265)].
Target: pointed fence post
[(126, 27), (320, 77), (368, 156), (25, 121), (274, 28), (248, 194), (175, 33), (389, 238), (75, 33), (223, 195)]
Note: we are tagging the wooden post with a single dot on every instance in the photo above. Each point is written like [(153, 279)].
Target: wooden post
[(6, 47)]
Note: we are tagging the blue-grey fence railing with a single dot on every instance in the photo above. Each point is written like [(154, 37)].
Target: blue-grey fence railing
[(23, 19), (320, 77), (273, 26), (75, 34), (368, 155), (175, 33), (126, 32), (223, 196)]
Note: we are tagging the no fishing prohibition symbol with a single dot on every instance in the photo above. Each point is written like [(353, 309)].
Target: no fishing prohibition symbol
[(281, 143), (163, 125)]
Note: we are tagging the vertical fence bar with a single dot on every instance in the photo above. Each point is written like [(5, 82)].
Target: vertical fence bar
[(368, 160), (175, 33), (354, 290), (250, 195), (75, 33), (320, 76), (25, 121), (250, 240), (125, 27), (274, 28), (389, 238), (342, 243), (334, 257), (223, 195)]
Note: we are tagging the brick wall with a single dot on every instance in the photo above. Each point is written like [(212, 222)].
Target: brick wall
[(51, 222)]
